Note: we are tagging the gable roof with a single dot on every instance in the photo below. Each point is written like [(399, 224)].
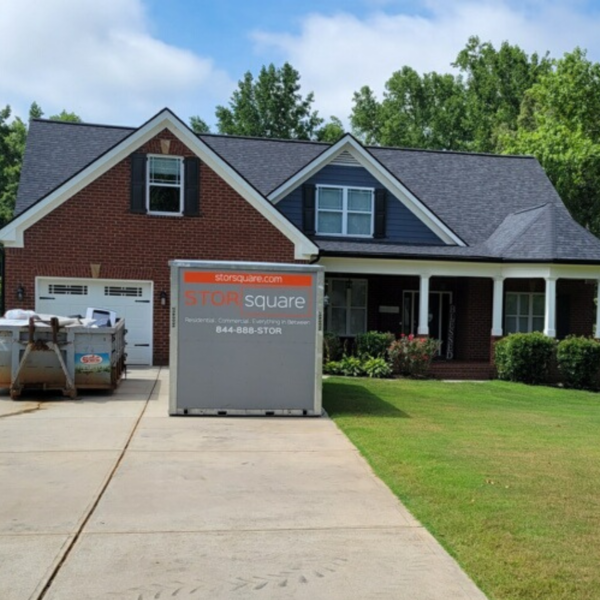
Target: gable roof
[(12, 233), (501, 207)]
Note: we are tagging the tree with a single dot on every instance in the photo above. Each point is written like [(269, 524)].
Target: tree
[(12, 146), (416, 111), (270, 106), (559, 124), (467, 111), (69, 117), (13, 135), (495, 84), (198, 125), (331, 132)]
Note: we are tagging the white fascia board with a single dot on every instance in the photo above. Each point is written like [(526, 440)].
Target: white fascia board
[(12, 235), (303, 247), (438, 268), (408, 199)]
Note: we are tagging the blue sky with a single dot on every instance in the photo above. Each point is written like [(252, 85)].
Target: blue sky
[(120, 61)]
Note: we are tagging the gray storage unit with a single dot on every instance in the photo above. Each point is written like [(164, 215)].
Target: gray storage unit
[(66, 358), (246, 338)]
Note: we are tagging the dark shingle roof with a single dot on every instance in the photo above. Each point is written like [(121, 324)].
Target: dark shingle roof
[(265, 164), (503, 207), (55, 151)]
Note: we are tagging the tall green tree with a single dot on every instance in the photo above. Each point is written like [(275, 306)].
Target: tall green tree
[(416, 111), (331, 131), (559, 124), (199, 125), (495, 84), (270, 106), (467, 111)]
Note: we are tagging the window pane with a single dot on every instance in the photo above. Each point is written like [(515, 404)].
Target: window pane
[(357, 320), (165, 199), (511, 325), (538, 324), (359, 200), (337, 294), (329, 222), (511, 304), (358, 294), (165, 170), (330, 198), (523, 325), (359, 224), (338, 321), (538, 305)]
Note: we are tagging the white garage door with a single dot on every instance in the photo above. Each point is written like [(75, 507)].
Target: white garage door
[(131, 300)]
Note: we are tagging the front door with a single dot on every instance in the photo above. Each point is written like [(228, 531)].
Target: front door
[(439, 313)]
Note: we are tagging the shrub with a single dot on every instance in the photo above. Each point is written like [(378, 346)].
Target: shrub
[(332, 347), (579, 362), (373, 344), (351, 366), (412, 356), (524, 357), (332, 367), (377, 367)]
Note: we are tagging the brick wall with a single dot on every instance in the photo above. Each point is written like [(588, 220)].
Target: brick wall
[(96, 227)]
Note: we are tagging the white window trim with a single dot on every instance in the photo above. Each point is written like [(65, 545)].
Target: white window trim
[(180, 186), (530, 296), (348, 306), (345, 212)]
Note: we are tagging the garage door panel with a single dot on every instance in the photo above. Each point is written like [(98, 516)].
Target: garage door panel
[(131, 300)]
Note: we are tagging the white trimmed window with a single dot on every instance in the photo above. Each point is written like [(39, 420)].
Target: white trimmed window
[(165, 189), (524, 312), (346, 312), (344, 211)]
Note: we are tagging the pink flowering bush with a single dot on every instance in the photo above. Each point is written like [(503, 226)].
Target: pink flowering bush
[(412, 356)]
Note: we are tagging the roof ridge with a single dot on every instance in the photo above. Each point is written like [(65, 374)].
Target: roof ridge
[(453, 152), (262, 139), (83, 124), (531, 208)]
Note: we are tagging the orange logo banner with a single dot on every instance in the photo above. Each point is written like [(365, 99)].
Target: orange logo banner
[(250, 279)]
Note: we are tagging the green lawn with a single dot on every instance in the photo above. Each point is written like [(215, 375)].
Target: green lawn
[(506, 476)]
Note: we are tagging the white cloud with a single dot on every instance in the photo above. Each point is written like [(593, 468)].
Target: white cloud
[(336, 55), (98, 59)]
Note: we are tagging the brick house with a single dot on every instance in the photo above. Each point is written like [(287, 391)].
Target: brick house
[(463, 247)]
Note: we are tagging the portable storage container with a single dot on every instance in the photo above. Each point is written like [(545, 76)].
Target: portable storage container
[(246, 338)]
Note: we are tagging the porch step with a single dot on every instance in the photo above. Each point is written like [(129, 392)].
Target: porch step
[(456, 369)]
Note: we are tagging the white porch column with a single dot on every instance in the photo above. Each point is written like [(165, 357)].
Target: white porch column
[(597, 332), (423, 328), (498, 302), (550, 312)]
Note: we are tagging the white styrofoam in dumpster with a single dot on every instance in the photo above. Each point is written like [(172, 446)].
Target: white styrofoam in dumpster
[(246, 338), (50, 356)]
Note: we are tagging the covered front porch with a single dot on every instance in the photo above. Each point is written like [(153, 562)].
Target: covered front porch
[(465, 305)]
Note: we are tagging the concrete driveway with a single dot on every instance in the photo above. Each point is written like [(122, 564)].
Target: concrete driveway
[(108, 497)]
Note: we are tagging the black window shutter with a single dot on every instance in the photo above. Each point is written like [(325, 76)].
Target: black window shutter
[(138, 184), (191, 192), (380, 210), (308, 208)]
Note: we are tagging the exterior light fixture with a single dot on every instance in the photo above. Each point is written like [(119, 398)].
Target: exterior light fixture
[(163, 298), (20, 293)]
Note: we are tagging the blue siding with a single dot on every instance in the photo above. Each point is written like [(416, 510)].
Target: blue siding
[(402, 225)]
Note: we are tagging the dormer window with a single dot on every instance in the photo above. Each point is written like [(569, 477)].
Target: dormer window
[(165, 190), (344, 210)]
